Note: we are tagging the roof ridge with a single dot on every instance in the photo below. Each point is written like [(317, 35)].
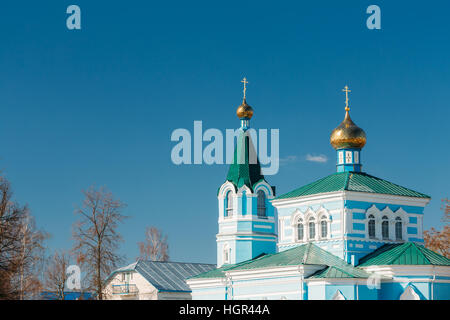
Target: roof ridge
[(385, 247), (242, 263), (427, 251), (342, 270), (421, 253), (306, 254), (406, 246), (347, 180)]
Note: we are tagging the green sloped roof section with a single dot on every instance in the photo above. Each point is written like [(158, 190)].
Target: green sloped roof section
[(215, 273), (307, 254), (352, 181), (338, 273), (408, 253), (242, 171), (220, 272), (331, 183)]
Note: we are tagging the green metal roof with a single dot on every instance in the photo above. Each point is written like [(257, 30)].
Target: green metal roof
[(352, 181), (220, 272), (336, 272), (241, 171), (408, 253), (307, 254)]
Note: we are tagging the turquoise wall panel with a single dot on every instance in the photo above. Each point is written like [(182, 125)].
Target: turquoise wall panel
[(412, 230)]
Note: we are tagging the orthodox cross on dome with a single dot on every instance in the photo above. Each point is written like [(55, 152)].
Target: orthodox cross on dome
[(244, 81), (346, 90)]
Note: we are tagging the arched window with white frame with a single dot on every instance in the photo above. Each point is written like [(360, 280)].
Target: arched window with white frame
[(300, 230), (398, 229), (323, 227), (385, 228), (261, 204), (371, 226), (312, 228), (229, 204)]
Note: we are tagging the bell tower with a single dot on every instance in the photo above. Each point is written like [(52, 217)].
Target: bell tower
[(247, 219)]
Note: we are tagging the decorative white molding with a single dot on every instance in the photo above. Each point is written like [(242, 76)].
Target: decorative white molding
[(409, 294), (385, 199), (338, 296), (309, 200), (227, 186), (241, 190), (409, 270), (268, 190), (259, 226)]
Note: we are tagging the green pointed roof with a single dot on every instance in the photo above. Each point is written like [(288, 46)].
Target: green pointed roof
[(241, 171), (352, 181), (408, 253), (307, 254)]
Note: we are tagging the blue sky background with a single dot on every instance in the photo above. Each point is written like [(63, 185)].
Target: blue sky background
[(98, 106)]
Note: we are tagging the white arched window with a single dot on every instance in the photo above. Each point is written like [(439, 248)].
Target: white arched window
[(385, 228), (312, 228), (261, 204), (323, 227), (398, 228), (300, 230), (229, 204), (371, 226)]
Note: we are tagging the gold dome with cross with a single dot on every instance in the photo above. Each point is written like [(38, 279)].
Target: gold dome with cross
[(244, 111), (347, 134)]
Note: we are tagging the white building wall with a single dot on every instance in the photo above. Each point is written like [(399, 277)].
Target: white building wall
[(145, 290)]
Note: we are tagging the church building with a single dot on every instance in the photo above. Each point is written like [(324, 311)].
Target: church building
[(346, 236)]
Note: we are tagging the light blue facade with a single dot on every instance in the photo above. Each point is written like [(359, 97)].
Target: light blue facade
[(352, 239), (244, 234), (350, 291)]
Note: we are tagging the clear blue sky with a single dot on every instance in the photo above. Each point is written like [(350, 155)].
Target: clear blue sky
[(98, 106)]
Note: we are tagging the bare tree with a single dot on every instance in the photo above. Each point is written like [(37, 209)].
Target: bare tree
[(29, 259), (436, 240), (21, 245), (155, 246), (56, 274), (96, 236)]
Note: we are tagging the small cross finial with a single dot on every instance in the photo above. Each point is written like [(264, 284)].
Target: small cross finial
[(346, 90), (244, 81)]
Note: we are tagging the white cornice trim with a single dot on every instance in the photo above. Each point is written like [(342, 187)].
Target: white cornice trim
[(336, 281), (409, 270), (247, 217), (352, 195), (330, 196), (385, 198)]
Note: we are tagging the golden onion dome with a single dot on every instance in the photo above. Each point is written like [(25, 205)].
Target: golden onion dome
[(244, 110), (348, 134)]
